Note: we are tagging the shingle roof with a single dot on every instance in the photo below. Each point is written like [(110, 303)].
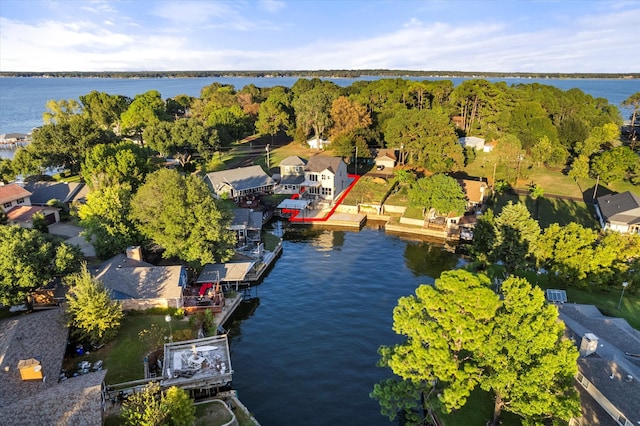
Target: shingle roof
[(40, 335), (293, 160), (388, 153), (23, 213), (12, 192), (608, 369), (472, 190), (132, 279), (621, 208), (242, 178), (318, 163), (247, 218), (42, 192)]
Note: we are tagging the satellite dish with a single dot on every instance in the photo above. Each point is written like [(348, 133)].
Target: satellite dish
[(37, 368)]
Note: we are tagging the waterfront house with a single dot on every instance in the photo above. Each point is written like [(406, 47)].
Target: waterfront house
[(619, 212), (240, 182), (139, 285), (291, 175), (608, 378), (247, 224), (472, 142), (325, 177)]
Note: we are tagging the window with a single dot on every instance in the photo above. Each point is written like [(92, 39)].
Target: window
[(622, 419), (7, 205), (326, 191), (20, 200), (313, 178)]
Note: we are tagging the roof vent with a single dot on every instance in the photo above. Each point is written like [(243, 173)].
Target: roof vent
[(629, 378)]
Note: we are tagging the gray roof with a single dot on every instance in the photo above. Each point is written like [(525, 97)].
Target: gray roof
[(225, 272), (42, 192), (620, 208), (291, 180), (75, 401), (246, 218), (40, 335), (131, 279), (241, 179), (293, 160), (608, 368), (318, 163)]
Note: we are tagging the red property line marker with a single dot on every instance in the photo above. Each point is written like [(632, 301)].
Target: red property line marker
[(294, 213)]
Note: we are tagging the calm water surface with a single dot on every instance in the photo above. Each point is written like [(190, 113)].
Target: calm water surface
[(305, 349)]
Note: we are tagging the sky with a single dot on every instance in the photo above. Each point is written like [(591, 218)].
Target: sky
[(585, 36)]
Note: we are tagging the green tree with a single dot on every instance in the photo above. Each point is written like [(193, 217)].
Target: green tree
[(530, 364), (144, 408), (275, 114), (541, 151), (146, 109), (39, 223), (92, 313), (26, 162), (66, 144), (517, 235), (105, 109), (111, 164), (30, 260), (615, 164), (439, 192), (633, 101), (179, 407), (105, 218), (6, 171), (428, 138), (484, 237), (445, 325), (152, 407), (179, 214), (190, 133), (62, 111), (579, 168), (313, 111)]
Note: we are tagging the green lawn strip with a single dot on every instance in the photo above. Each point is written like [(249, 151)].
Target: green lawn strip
[(123, 357), (476, 412), (368, 190), (606, 300), (551, 210), (399, 197)]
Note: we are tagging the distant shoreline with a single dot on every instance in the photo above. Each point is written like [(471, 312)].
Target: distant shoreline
[(315, 73)]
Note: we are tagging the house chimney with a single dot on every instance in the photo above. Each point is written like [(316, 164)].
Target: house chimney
[(589, 344), (135, 253)]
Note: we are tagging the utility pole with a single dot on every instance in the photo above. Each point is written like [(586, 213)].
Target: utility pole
[(595, 190), (268, 162), (493, 181)]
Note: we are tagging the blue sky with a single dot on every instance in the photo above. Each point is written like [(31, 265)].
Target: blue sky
[(454, 35)]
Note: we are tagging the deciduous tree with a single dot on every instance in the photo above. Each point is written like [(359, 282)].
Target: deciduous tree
[(30, 259), (439, 192), (92, 313), (348, 116), (180, 214)]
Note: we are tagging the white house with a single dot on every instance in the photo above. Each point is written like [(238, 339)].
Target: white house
[(472, 142), (318, 143), (386, 159), (13, 195), (619, 212), (325, 177), (291, 175)]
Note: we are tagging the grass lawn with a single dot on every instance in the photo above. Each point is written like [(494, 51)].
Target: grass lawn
[(123, 357), (213, 414), (368, 190), (551, 210), (399, 197), (606, 300), (476, 412)]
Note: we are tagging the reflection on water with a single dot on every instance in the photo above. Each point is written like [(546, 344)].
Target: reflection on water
[(305, 351)]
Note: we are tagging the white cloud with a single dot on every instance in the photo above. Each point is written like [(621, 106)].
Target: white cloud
[(189, 34), (271, 6)]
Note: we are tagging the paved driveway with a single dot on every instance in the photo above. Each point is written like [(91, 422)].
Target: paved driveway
[(71, 234)]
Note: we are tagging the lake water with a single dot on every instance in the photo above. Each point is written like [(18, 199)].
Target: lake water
[(304, 351), (22, 99)]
